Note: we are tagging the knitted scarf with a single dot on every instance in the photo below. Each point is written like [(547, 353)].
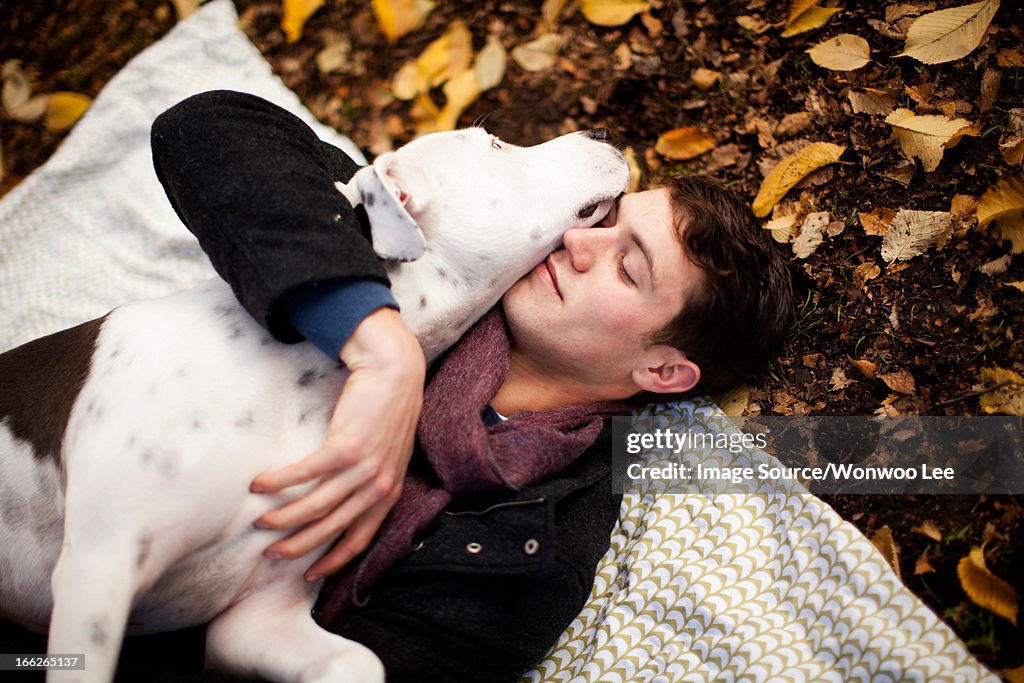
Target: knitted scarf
[(465, 456)]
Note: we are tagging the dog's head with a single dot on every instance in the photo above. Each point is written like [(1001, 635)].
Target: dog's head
[(470, 194)]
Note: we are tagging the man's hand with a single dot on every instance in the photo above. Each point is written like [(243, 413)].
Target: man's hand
[(363, 462)]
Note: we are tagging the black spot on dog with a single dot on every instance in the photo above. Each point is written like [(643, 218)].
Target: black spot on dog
[(369, 199), (307, 378), (423, 302), (145, 547), (98, 634), (245, 421), (443, 274), (236, 331)]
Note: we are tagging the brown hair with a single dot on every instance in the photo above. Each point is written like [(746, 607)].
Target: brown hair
[(740, 315)]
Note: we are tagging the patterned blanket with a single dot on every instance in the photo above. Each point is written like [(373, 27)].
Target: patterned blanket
[(724, 587)]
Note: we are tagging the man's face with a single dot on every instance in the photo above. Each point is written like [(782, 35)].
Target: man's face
[(584, 315)]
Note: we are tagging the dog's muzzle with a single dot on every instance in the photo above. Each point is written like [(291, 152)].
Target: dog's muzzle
[(601, 134)]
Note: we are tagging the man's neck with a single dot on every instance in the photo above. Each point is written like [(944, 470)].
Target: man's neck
[(531, 388)]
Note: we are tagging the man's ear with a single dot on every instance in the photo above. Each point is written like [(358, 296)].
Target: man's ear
[(674, 373)]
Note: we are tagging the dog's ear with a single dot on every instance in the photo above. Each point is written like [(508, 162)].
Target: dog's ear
[(396, 234)]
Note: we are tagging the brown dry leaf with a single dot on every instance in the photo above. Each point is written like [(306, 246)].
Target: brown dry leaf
[(398, 17), (186, 8), (612, 12), (871, 101), (808, 20), (913, 232), (962, 205), (926, 137), (460, 91), (996, 266), (845, 52), (782, 229), (1014, 675), (753, 23), (684, 143), (794, 123), (791, 170), (1004, 204), (884, 543), (294, 16), (636, 174), (1010, 59), (1007, 399), (900, 381), (923, 566), (538, 54), (989, 88), (839, 380), (948, 34), (705, 79), (64, 109), (811, 234), (1016, 284), (17, 94), (986, 589), (490, 63), (930, 530), (550, 11), (865, 367), (877, 222), (733, 402), (335, 53)]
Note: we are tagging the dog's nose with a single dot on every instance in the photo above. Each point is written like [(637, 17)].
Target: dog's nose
[(601, 134)]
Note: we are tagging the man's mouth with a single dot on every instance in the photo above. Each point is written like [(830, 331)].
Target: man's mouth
[(549, 267)]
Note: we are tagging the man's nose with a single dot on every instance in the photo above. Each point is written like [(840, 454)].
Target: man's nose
[(580, 244)]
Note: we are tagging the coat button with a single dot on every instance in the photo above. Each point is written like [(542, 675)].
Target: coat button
[(474, 548), (531, 546)]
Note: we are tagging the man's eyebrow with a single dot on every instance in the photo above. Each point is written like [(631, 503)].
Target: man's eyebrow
[(645, 251)]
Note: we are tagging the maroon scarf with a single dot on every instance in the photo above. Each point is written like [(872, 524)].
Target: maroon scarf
[(465, 455)]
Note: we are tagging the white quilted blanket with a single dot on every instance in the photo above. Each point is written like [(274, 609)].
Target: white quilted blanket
[(765, 587)]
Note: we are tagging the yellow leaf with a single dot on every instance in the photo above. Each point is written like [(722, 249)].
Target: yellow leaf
[(186, 8), (792, 170), (733, 402), (684, 143), (1014, 675), (986, 589), (782, 229), (612, 12), (812, 18), (551, 10), (925, 137), (1007, 399), (884, 543), (490, 63), (442, 59), (64, 109), (705, 79), (296, 12), (1004, 204), (538, 54), (798, 7), (409, 82), (948, 34), (845, 52), (460, 92), (398, 17), (635, 173), (424, 114), (912, 232)]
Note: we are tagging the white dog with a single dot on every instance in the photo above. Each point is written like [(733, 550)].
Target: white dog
[(127, 444)]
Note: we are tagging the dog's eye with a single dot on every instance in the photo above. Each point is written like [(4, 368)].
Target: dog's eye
[(587, 211), (495, 143)]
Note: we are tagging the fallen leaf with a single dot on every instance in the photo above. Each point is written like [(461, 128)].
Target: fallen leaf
[(948, 34), (1014, 675), (733, 402), (865, 367), (294, 16), (989, 89), (884, 543), (808, 20), (923, 566), (490, 63), (839, 380), (996, 266), (64, 109), (754, 24), (791, 170), (1004, 204), (782, 229), (930, 530), (185, 8), (845, 52), (794, 123), (684, 143), (1010, 59), (444, 58), (871, 101), (17, 97), (925, 137), (612, 12), (912, 232), (1016, 284), (705, 79), (962, 205), (335, 53), (460, 91), (398, 17), (550, 11), (986, 589), (635, 172), (538, 54), (811, 234), (900, 381), (1006, 400), (877, 222)]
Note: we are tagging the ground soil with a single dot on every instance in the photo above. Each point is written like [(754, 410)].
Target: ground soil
[(938, 317)]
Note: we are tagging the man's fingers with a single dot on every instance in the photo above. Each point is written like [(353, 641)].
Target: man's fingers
[(318, 463)]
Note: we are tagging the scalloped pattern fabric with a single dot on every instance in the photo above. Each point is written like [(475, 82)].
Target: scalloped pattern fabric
[(757, 587)]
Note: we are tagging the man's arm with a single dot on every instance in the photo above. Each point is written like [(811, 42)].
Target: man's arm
[(256, 187)]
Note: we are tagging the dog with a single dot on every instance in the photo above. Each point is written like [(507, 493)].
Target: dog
[(127, 443)]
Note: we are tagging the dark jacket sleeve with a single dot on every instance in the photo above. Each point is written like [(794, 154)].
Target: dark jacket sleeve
[(256, 186)]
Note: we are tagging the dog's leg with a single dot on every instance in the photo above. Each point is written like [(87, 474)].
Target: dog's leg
[(93, 592), (271, 634)]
